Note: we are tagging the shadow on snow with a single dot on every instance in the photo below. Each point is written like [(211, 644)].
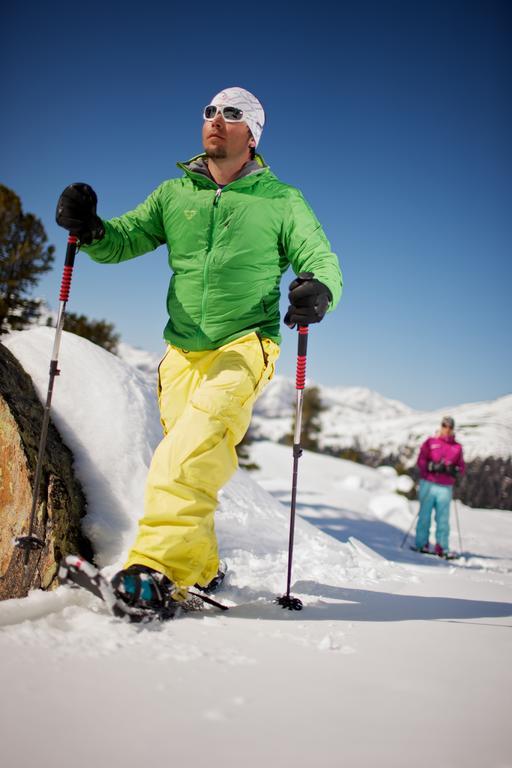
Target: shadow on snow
[(372, 605)]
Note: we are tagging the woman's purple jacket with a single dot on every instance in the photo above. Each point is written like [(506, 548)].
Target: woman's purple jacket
[(437, 449)]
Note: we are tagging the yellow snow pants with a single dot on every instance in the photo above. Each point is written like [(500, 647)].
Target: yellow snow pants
[(206, 400)]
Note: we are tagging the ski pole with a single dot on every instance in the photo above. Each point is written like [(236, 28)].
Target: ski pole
[(410, 529), (417, 515), (456, 506), (287, 601), (31, 542)]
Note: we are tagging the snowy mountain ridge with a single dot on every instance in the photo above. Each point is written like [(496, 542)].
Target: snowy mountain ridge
[(354, 401), (362, 418), (358, 417)]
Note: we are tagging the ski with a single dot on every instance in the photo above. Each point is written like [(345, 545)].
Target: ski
[(447, 556), (77, 572)]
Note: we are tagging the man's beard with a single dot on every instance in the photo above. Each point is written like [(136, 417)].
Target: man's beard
[(217, 153)]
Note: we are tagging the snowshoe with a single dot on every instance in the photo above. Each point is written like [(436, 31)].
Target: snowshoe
[(425, 550), (136, 594), (130, 596), (438, 551), (446, 554), (147, 591)]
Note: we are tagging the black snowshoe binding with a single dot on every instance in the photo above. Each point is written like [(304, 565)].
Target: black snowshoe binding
[(147, 592), (216, 583)]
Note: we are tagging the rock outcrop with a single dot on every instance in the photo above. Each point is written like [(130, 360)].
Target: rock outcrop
[(61, 503)]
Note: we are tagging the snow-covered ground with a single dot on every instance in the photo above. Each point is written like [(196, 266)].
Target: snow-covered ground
[(396, 660)]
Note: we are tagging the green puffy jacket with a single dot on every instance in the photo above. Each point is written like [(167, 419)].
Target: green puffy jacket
[(228, 248)]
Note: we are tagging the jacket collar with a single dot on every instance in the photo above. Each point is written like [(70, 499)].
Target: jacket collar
[(447, 438), (197, 168)]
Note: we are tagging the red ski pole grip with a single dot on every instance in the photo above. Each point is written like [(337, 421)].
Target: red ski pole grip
[(67, 273), (66, 283), (300, 379)]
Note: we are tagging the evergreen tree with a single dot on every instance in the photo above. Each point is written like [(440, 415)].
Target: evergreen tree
[(24, 258), (98, 331), (486, 483)]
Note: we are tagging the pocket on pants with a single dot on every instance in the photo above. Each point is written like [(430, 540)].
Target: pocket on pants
[(270, 351), (237, 373)]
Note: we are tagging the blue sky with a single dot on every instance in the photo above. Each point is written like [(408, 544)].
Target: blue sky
[(393, 118)]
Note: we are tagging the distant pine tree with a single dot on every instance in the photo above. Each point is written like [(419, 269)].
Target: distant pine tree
[(98, 331), (486, 483), (24, 258)]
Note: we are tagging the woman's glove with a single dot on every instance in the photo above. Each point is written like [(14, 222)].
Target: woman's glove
[(438, 468)]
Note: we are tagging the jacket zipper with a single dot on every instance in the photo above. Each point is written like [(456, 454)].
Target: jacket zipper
[(207, 259)]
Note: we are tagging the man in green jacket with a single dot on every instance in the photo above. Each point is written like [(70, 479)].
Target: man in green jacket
[(231, 229)]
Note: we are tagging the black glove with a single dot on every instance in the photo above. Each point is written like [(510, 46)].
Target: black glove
[(437, 467), (309, 299), (76, 212)]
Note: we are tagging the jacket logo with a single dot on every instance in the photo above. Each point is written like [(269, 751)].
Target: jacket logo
[(189, 214)]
